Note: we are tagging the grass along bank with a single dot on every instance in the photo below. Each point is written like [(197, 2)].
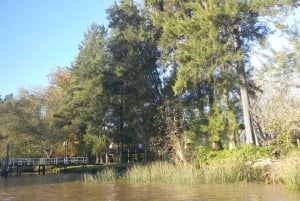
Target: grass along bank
[(288, 170), (168, 173), (247, 164)]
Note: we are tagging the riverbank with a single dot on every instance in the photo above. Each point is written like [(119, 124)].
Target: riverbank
[(243, 165)]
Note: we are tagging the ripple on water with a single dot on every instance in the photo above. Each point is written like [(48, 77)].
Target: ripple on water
[(61, 187)]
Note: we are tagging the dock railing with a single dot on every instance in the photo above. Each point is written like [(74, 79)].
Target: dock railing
[(45, 161)]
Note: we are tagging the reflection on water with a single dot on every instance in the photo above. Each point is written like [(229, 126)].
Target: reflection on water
[(66, 187)]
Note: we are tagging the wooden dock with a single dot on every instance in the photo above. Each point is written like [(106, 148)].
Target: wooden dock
[(8, 164)]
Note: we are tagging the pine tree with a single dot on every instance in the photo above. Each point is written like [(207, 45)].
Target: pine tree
[(132, 79), (211, 41), (83, 112)]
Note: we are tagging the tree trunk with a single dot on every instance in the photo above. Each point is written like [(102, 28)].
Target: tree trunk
[(145, 152), (128, 153), (228, 118), (100, 158), (250, 138), (97, 158), (121, 153), (106, 158)]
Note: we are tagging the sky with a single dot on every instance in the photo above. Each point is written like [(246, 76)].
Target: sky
[(36, 36)]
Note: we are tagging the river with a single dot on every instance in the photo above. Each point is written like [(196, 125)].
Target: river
[(66, 187)]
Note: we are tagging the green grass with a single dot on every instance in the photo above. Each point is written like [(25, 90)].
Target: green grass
[(289, 171), (92, 168), (227, 166), (222, 167), (231, 166), (164, 172), (229, 171), (106, 175)]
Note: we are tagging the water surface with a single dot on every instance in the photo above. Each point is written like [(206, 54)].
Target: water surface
[(66, 187)]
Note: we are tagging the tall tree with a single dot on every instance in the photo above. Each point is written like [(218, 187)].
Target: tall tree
[(83, 113), (59, 83), (211, 41), (132, 78), (277, 106), (28, 126)]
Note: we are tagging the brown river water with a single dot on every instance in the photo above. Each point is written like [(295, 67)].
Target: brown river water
[(66, 187)]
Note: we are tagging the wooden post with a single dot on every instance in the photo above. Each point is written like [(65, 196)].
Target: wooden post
[(19, 170), (6, 168), (43, 169)]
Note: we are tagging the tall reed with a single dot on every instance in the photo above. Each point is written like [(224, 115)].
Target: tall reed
[(105, 175), (229, 171), (289, 171), (221, 172), (225, 171), (164, 172)]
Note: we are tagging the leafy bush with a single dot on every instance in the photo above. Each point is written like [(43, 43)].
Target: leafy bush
[(246, 153)]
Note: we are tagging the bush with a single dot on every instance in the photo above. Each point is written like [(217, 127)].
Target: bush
[(229, 166), (246, 153)]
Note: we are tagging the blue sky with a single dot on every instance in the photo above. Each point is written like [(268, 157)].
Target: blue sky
[(36, 36)]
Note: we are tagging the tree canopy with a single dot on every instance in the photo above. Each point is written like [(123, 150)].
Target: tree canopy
[(172, 76)]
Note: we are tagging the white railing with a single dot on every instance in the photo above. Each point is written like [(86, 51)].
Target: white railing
[(45, 161)]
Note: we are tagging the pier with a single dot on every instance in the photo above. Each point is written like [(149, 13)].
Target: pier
[(8, 164)]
